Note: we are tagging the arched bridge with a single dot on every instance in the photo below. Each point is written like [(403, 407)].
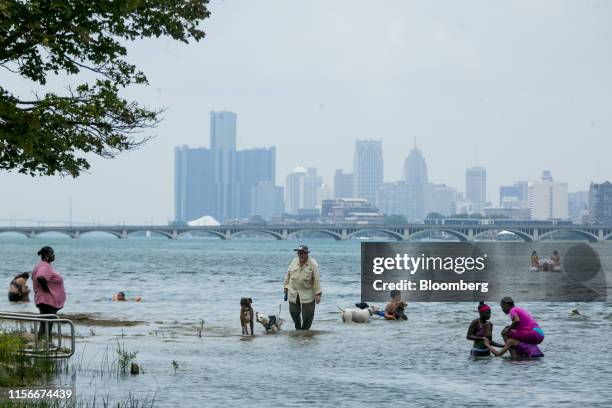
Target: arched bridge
[(528, 232)]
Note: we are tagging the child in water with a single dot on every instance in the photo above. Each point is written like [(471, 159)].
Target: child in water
[(481, 329), (395, 308)]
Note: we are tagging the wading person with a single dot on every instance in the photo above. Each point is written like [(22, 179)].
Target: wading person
[(18, 288), (302, 288), (49, 294), (481, 329)]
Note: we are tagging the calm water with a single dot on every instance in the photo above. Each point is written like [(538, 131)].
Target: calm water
[(423, 362)]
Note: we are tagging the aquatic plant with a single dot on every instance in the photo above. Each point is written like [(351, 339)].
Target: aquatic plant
[(124, 357)]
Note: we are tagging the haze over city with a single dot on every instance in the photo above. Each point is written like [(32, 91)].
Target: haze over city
[(516, 88)]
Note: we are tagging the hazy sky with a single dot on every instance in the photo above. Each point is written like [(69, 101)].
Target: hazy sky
[(515, 86)]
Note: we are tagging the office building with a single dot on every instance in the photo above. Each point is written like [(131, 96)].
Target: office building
[(439, 198), (343, 184), (219, 181), (509, 197), (547, 200), (600, 203), (310, 189), (476, 187), (367, 169), (578, 206), (223, 145), (252, 167), (193, 183), (267, 199), (399, 198), (293, 187), (415, 175)]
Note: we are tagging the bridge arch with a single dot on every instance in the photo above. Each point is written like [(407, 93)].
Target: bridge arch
[(590, 237), (24, 233), (113, 233), (609, 236), (460, 236), (273, 234), (217, 234), (523, 235), (69, 234), (331, 233), (392, 234)]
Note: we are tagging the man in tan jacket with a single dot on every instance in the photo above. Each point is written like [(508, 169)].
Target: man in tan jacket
[(302, 288)]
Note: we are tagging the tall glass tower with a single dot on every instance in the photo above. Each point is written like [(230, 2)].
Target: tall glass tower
[(223, 145), (367, 169)]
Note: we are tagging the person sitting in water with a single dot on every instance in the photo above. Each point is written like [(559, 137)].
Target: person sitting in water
[(556, 260), (120, 297), (516, 348), (481, 329), (535, 260), (18, 288), (395, 308), (523, 328)]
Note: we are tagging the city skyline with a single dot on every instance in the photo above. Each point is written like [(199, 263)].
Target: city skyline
[(513, 101)]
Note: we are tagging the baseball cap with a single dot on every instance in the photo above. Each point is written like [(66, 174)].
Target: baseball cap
[(302, 248)]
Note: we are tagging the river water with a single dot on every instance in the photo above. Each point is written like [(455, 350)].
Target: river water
[(421, 362)]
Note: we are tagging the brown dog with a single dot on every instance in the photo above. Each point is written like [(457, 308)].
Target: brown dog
[(246, 315)]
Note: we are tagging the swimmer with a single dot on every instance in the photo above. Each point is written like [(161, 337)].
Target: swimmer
[(395, 308), (481, 329), (576, 313), (18, 288), (120, 297)]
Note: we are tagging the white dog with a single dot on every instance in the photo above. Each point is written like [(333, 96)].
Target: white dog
[(358, 315), (272, 323)]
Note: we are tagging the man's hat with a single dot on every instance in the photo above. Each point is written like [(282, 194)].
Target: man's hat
[(302, 248)]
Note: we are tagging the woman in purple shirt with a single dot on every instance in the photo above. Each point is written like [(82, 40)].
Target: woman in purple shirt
[(49, 293)]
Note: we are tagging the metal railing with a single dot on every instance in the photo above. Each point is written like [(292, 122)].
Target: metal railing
[(42, 345)]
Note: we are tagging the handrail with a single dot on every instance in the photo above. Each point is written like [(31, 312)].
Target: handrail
[(45, 319)]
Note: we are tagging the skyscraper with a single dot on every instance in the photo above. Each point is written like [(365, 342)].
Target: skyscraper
[(193, 183), (415, 167), (476, 187), (367, 169), (219, 181), (509, 197), (578, 205), (293, 190), (547, 200), (252, 167), (600, 203), (310, 185), (266, 199), (522, 192), (223, 144), (343, 184), (415, 175)]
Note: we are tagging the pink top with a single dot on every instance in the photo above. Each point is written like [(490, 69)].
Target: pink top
[(526, 321), (56, 297)]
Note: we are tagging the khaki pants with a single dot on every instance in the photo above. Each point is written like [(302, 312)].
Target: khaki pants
[(302, 314)]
